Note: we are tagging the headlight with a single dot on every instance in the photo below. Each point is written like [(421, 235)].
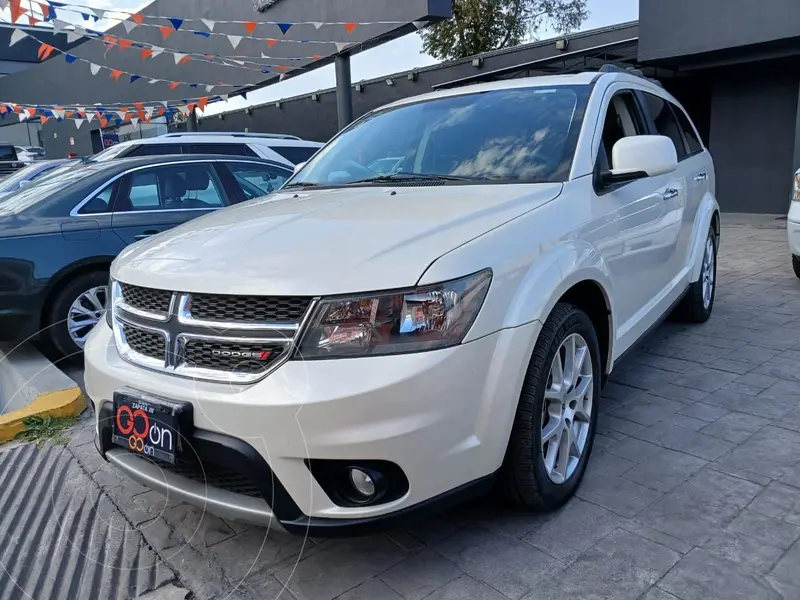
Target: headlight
[(796, 187), (425, 318), (112, 295)]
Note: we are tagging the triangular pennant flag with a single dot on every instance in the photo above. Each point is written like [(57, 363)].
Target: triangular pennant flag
[(250, 26), (125, 44), (341, 46), (176, 23), (78, 123), (224, 97), (43, 119), (236, 61), (205, 34), (282, 77), (284, 27), (70, 59), (16, 36), (271, 43), (318, 25), (73, 36), (419, 24), (210, 88), (156, 51), (185, 60), (59, 25), (80, 109), (243, 95), (209, 23), (152, 81), (317, 57), (23, 116), (178, 57), (47, 11), (351, 27), (129, 25), (31, 111), (139, 106), (103, 122), (116, 74), (135, 77), (174, 84), (184, 110), (146, 53), (164, 102), (234, 40), (45, 50), (16, 10), (89, 116), (283, 68), (110, 40), (135, 121), (59, 113), (3, 4), (202, 103), (166, 31), (95, 69), (99, 13), (123, 114), (137, 18), (32, 21), (149, 111)]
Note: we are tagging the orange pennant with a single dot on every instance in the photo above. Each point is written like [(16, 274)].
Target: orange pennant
[(250, 26), (32, 21), (45, 10), (141, 114), (202, 103), (283, 68), (271, 43), (116, 74), (125, 44), (191, 107), (161, 111), (3, 109), (146, 53), (317, 57), (44, 119), (80, 114), (184, 60), (351, 27), (174, 84), (110, 40), (30, 111), (137, 18), (166, 31), (16, 10), (139, 106), (67, 114), (45, 50), (103, 122), (17, 109)]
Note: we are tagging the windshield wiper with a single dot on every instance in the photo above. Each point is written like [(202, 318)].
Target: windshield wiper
[(300, 184), (403, 176)]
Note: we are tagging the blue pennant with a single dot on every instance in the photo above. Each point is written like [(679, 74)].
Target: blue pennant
[(70, 59), (176, 23), (100, 110), (244, 95), (135, 77), (51, 13), (86, 17), (192, 85), (203, 33), (54, 3), (48, 113), (284, 27), (266, 70)]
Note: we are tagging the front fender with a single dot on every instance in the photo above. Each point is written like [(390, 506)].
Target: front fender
[(705, 213)]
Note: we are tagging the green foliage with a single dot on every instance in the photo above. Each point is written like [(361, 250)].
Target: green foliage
[(483, 25), (41, 429)]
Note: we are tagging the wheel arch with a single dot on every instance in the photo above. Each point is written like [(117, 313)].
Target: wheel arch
[(708, 215), (67, 274)]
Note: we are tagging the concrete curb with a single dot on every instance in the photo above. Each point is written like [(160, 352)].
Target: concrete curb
[(32, 386)]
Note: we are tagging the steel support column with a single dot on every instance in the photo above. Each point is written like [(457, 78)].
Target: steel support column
[(344, 90)]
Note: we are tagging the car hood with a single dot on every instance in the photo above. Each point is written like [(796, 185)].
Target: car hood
[(332, 241)]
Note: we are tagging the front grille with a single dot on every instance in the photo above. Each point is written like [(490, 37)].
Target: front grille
[(146, 299), (216, 476), (201, 354), (145, 342), (248, 309)]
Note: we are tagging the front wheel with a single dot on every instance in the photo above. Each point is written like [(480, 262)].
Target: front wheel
[(696, 306), (76, 309), (554, 428), (796, 265)]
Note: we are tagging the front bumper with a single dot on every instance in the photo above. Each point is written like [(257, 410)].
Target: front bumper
[(793, 228), (443, 417)]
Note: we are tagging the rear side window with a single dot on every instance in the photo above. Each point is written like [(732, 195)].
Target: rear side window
[(8, 153), (665, 122), (295, 154), (692, 141), (100, 203), (227, 149), (155, 150)]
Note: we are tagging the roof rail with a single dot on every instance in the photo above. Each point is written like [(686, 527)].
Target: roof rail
[(609, 68), (272, 136)]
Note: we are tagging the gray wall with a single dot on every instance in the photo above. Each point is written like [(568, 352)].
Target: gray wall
[(752, 137), (671, 28)]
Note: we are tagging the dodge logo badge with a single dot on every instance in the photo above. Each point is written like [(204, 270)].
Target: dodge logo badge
[(261, 355)]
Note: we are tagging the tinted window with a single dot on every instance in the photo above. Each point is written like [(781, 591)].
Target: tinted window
[(516, 135), (179, 187), (258, 180), (228, 149), (155, 150), (100, 203), (692, 141), (665, 121), (295, 154), (623, 119), (8, 153), (116, 151)]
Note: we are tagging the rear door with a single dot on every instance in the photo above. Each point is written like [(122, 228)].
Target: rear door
[(155, 199)]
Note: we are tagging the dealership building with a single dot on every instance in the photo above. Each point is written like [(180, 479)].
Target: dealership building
[(734, 64)]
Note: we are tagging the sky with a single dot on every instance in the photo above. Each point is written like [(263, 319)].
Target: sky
[(399, 55)]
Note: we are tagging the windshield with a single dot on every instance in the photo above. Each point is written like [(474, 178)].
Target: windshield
[(505, 136), (109, 153), (28, 196), (30, 172)]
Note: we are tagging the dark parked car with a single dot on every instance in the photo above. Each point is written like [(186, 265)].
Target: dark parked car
[(33, 172), (59, 236)]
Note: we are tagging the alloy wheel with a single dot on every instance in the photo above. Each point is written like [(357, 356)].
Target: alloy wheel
[(85, 313), (708, 275), (567, 408)]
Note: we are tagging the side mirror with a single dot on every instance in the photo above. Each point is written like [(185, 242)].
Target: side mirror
[(299, 166), (641, 156), (25, 183)]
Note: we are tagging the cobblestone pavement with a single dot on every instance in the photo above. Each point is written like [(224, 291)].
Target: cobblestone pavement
[(693, 492)]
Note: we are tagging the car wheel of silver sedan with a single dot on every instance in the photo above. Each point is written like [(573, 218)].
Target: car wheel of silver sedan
[(76, 308)]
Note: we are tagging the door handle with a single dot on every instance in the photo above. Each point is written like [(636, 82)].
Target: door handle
[(670, 193), (701, 177), (145, 235)]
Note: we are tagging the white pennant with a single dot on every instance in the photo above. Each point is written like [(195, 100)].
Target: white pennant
[(238, 62), (135, 121), (16, 36), (165, 103), (152, 81), (318, 25), (3, 4), (184, 110), (224, 97), (122, 114), (100, 12), (234, 40), (420, 24), (148, 110), (209, 23), (73, 36), (95, 69), (282, 77), (59, 25), (210, 88), (78, 123), (89, 116), (59, 114), (178, 57), (156, 51), (23, 115), (341, 46), (80, 109), (129, 25)]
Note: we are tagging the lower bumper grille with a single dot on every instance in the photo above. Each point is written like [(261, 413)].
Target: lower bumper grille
[(217, 476)]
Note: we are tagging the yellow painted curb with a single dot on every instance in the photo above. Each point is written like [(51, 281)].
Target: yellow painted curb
[(62, 404)]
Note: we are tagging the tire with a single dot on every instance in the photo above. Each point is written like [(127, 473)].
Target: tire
[(56, 333), (525, 477), (796, 265), (695, 307)]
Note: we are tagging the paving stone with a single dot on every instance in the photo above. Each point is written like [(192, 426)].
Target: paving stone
[(685, 440), (267, 589), (405, 541), (786, 570), (744, 550), (754, 355), (656, 593), (374, 589), (634, 450), (619, 495), (643, 377), (574, 529), (761, 406), (703, 412), (701, 575), (665, 363), (686, 422), (705, 379), (507, 520), (465, 588), (647, 409), (196, 526), (199, 573), (771, 451), (703, 354), (656, 536), (783, 390), (418, 576), (666, 470), (620, 566), (765, 529), (782, 368), (619, 425), (751, 383), (509, 566), (735, 427), (619, 392), (340, 567), (779, 501), (731, 366), (756, 478), (681, 394)]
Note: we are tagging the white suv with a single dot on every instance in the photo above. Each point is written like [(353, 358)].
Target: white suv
[(358, 345), (285, 149)]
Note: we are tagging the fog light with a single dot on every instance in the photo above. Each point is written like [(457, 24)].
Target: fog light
[(362, 483)]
